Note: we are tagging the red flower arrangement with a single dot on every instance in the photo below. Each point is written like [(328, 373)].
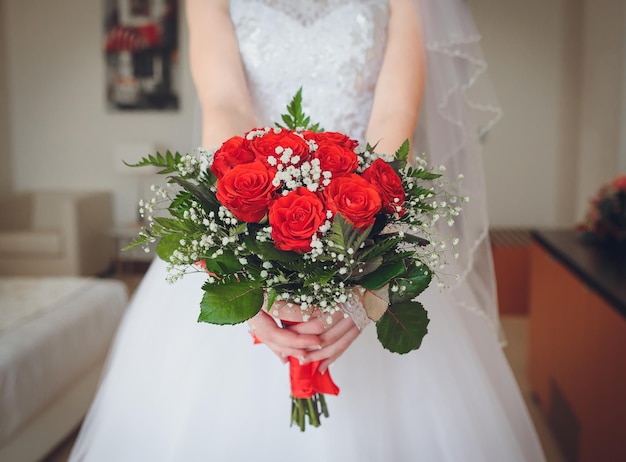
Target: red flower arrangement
[(295, 214), (605, 220)]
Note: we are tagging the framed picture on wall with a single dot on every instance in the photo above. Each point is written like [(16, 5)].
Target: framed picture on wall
[(141, 50)]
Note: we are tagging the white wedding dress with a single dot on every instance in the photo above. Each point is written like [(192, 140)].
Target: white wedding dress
[(177, 390)]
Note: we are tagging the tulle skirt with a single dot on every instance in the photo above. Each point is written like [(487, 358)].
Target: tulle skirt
[(177, 390)]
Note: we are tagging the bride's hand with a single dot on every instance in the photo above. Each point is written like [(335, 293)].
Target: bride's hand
[(283, 342), (335, 338), (313, 340)]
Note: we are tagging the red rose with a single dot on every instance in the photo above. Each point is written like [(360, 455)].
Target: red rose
[(246, 190), (233, 152), (355, 198), (338, 160), (332, 137), (295, 218), (265, 146), (619, 183), (388, 184)]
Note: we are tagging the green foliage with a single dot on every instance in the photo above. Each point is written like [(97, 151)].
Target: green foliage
[(271, 297), (403, 151), (382, 247), (401, 156), (412, 283), (366, 267), (226, 263), (172, 224), (408, 237), (167, 245), (267, 250), (203, 195), (230, 303), (423, 174), (344, 236), (402, 327), (320, 276), (382, 275), (180, 203), (166, 163), (295, 118)]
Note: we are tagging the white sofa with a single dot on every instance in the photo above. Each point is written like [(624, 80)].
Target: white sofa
[(56, 232), (55, 333)]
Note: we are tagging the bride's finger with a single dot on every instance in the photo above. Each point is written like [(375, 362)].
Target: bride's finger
[(335, 350), (264, 327), (288, 342), (320, 324), (335, 341), (336, 330), (283, 353), (311, 327)]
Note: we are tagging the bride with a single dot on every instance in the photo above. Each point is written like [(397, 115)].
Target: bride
[(176, 390)]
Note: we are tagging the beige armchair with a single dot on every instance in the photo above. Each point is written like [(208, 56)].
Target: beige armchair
[(56, 233)]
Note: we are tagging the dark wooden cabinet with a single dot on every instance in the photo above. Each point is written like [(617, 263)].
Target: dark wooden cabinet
[(577, 342)]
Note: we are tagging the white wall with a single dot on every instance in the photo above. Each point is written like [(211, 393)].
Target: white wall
[(523, 43), (550, 61), (557, 66), (602, 113), (62, 133), (6, 170)]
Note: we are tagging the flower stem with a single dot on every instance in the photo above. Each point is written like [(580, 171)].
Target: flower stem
[(308, 408)]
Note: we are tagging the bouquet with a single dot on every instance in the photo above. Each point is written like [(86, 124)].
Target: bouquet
[(605, 220), (295, 214)]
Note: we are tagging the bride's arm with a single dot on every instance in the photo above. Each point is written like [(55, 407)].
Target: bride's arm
[(217, 72), (220, 82), (397, 100), (400, 85)]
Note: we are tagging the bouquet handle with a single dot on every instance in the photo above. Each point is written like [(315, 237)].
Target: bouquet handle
[(308, 387)]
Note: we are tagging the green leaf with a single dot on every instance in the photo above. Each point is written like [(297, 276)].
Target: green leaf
[(343, 234), (267, 251), (401, 156), (425, 174), (398, 166), (415, 280), (180, 203), (385, 273), (379, 225), (230, 303), (241, 228), (227, 263), (403, 151), (271, 296), (418, 191), (408, 237), (380, 248), (145, 236), (320, 275), (402, 327), (366, 267), (201, 193), (167, 245), (369, 148), (295, 117), (171, 224), (167, 163)]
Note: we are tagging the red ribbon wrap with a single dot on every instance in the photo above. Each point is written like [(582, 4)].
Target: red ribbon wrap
[(306, 379)]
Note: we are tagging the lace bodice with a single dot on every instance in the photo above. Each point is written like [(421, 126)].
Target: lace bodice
[(333, 49)]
